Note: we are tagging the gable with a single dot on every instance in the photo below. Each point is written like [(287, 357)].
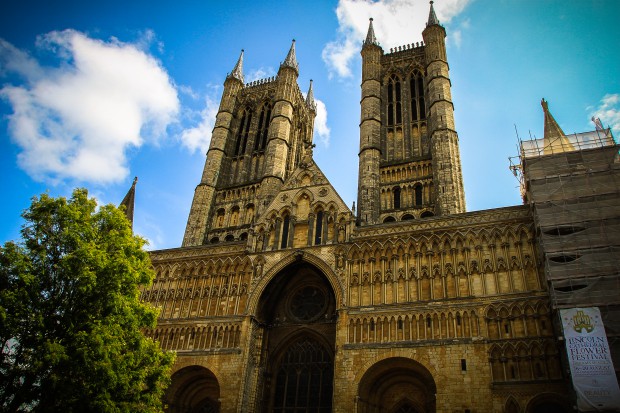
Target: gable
[(305, 192)]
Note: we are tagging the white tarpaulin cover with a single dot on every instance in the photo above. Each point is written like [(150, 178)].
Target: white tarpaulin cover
[(590, 362)]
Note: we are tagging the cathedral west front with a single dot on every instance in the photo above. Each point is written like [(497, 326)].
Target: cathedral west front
[(284, 299)]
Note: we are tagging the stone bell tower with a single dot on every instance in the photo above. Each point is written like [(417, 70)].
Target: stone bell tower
[(409, 162), (261, 131)]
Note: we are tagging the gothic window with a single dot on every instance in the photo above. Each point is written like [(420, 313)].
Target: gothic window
[(234, 216), (307, 304), (285, 225), (416, 85), (394, 102), (249, 214), (396, 193), (418, 194), (304, 379), (242, 133), (219, 221), (318, 232), (263, 127)]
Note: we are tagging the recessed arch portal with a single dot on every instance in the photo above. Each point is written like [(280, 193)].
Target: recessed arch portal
[(397, 384), (193, 389), (296, 317), (549, 403)]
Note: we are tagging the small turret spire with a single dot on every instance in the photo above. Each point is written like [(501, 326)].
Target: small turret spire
[(291, 59), (370, 37), (129, 201), (432, 17), (310, 98), (554, 141), (237, 72)]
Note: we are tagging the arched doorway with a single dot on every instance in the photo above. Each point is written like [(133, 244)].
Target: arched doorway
[(397, 385), (297, 315), (549, 403), (193, 389)]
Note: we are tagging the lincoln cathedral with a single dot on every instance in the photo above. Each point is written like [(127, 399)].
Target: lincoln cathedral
[(284, 299)]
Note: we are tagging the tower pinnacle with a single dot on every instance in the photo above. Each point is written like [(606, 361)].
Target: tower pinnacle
[(237, 72), (291, 59), (554, 140), (370, 37), (310, 98), (432, 17), (129, 201)]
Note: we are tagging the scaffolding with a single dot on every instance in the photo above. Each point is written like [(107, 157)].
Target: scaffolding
[(574, 194)]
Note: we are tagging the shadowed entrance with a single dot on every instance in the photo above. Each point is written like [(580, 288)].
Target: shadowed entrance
[(297, 315), (397, 385)]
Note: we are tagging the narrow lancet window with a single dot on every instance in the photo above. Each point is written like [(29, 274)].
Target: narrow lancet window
[(394, 102), (242, 134), (416, 85), (418, 195), (318, 233), (285, 225), (396, 192), (260, 140)]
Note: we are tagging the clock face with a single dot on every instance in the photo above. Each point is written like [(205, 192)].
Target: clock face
[(308, 303)]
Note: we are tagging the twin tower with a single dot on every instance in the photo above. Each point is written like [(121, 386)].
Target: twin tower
[(409, 161)]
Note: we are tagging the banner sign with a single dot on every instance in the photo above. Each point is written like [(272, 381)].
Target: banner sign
[(592, 370)]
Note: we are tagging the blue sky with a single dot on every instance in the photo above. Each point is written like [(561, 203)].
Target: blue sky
[(95, 93)]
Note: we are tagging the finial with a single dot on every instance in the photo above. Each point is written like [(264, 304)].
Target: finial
[(310, 98), (291, 59), (370, 36), (432, 17), (237, 72)]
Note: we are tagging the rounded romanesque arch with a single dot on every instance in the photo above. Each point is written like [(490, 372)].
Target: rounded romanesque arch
[(193, 389), (397, 384)]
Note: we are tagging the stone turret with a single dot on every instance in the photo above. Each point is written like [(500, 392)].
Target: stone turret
[(204, 192), (447, 176), (279, 141), (368, 195)]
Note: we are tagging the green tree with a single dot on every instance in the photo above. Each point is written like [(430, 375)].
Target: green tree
[(70, 316)]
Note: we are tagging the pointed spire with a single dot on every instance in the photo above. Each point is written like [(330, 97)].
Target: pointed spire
[(310, 98), (370, 37), (129, 200), (554, 141), (432, 17), (291, 59), (237, 72)]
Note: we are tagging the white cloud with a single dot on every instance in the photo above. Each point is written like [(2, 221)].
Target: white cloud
[(77, 120), (320, 122), (608, 111), (258, 74), (199, 136), (396, 22)]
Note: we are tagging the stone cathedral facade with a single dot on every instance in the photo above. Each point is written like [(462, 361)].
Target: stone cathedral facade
[(283, 299)]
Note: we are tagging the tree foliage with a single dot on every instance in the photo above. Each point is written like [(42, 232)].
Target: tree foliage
[(70, 316)]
